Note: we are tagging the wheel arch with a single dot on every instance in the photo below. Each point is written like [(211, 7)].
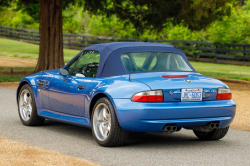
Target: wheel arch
[(21, 84), (94, 100)]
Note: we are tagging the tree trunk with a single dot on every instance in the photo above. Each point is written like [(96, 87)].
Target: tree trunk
[(51, 37)]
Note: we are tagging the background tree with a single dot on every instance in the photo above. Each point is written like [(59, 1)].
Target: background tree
[(142, 14), (50, 30), (49, 15)]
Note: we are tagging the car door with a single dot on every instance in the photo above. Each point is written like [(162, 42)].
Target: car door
[(67, 93)]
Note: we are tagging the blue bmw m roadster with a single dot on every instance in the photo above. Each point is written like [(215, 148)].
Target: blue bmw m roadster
[(115, 88)]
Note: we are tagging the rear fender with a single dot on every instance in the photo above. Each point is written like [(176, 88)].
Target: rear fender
[(118, 87)]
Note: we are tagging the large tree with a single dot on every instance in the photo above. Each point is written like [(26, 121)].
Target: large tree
[(142, 14), (50, 30)]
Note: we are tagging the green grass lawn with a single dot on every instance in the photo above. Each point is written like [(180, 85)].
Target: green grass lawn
[(17, 68), (13, 48), (222, 70), (10, 78)]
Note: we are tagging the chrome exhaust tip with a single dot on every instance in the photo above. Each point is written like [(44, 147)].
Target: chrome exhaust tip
[(212, 125), (217, 125), (170, 128), (174, 128), (167, 128)]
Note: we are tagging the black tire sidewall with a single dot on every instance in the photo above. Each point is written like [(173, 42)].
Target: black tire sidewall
[(213, 135), (107, 102)]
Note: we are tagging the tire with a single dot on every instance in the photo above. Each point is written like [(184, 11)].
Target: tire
[(27, 107), (105, 127), (216, 134)]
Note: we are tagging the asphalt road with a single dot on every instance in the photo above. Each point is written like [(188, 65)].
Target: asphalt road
[(182, 148)]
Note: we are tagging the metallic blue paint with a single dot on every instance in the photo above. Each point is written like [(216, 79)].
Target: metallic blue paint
[(140, 116), (156, 81), (62, 101)]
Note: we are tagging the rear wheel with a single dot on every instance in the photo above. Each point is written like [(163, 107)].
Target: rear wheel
[(27, 107), (105, 126), (216, 134)]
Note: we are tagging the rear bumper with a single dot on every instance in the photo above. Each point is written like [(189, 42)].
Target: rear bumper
[(152, 117)]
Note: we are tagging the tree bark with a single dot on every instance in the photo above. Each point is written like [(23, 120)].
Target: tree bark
[(51, 37)]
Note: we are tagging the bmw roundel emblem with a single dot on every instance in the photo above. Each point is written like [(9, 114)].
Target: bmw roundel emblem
[(188, 81)]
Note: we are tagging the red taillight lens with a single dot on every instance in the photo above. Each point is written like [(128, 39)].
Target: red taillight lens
[(224, 94), (148, 96)]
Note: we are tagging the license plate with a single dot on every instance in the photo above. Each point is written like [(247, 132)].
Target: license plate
[(191, 94)]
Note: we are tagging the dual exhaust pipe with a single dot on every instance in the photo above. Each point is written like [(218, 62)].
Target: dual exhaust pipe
[(208, 128), (170, 128), (215, 125)]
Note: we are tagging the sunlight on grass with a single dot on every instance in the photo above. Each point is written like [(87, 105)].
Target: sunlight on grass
[(10, 78), (222, 70), (13, 48)]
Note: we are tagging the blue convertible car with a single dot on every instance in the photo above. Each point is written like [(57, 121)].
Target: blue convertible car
[(115, 88)]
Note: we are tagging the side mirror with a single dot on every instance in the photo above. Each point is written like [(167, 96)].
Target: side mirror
[(63, 72)]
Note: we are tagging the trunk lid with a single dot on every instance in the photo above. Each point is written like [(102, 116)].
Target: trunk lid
[(172, 86)]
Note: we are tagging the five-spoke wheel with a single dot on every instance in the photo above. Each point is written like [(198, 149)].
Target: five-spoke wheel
[(102, 121), (105, 126), (27, 107)]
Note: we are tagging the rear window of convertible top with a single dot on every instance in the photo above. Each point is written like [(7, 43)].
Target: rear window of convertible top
[(154, 61)]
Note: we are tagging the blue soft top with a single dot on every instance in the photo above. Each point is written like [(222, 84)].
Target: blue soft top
[(110, 62)]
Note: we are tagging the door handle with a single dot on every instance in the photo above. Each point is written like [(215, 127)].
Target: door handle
[(80, 86)]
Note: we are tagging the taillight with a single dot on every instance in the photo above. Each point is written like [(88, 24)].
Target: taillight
[(224, 94), (148, 96)]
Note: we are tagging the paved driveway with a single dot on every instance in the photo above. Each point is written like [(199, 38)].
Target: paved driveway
[(182, 148)]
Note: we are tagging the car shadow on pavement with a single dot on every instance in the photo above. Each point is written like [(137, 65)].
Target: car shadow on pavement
[(160, 140), (68, 129)]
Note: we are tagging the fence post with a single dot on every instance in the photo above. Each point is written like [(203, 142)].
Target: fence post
[(98, 39), (216, 46), (216, 50), (68, 40), (31, 36), (244, 48), (84, 41)]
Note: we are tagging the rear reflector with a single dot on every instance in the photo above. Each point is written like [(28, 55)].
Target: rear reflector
[(173, 76), (224, 94), (148, 96)]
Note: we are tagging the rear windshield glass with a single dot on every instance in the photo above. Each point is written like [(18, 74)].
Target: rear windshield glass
[(154, 61)]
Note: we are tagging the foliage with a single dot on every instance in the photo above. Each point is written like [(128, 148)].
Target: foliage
[(233, 29), (152, 14), (142, 15)]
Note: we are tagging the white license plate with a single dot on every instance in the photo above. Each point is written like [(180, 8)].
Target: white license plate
[(191, 94)]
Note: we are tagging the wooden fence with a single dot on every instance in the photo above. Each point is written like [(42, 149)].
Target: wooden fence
[(195, 50)]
